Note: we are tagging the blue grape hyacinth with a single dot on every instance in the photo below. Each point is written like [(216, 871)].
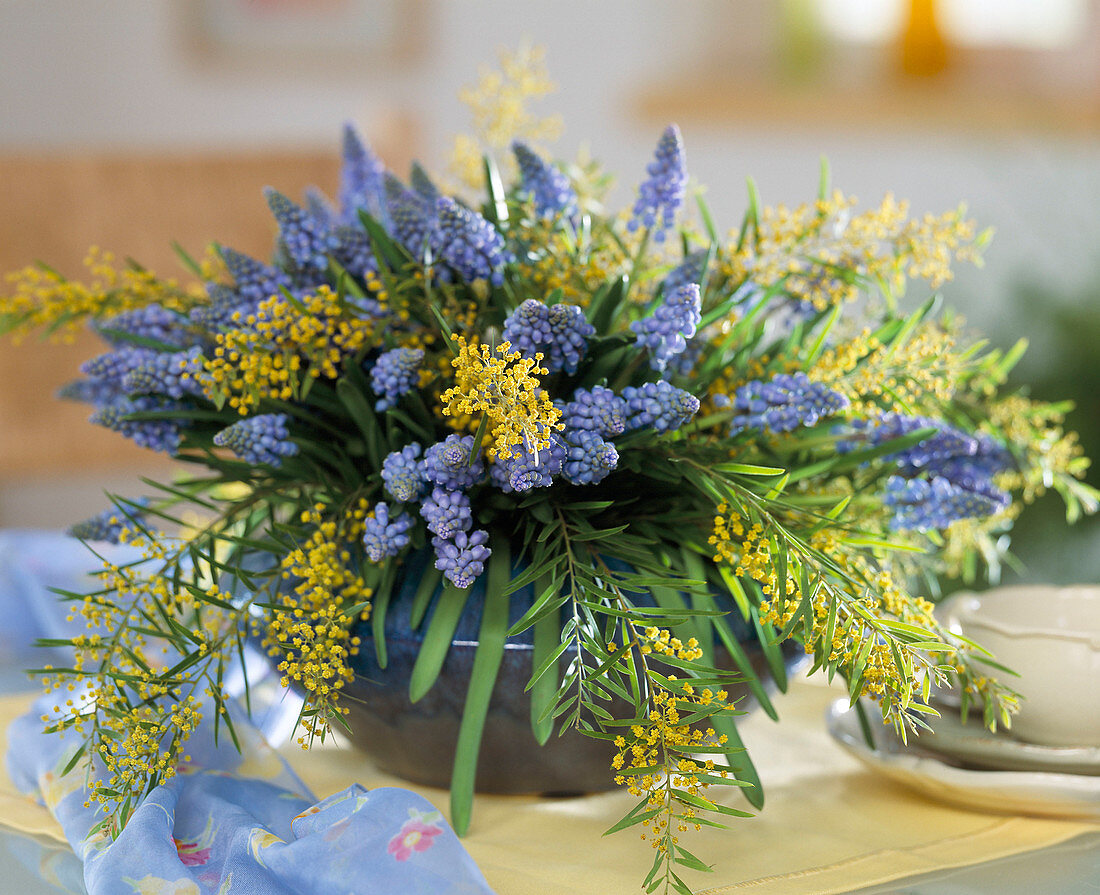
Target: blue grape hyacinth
[(260, 440), (666, 331), (447, 463), (527, 469), (588, 458), (598, 410), (975, 470), (155, 434), (945, 443), (559, 332), (153, 321), (447, 512), (224, 311), (411, 217), (783, 403), (174, 374), (362, 179), (395, 373), (108, 525), (923, 504), (462, 559), (422, 184), (318, 205), (546, 186), (253, 280), (658, 405), (467, 243), (385, 536), (690, 270), (403, 473), (662, 193), (307, 240), (96, 392), (114, 366), (683, 363)]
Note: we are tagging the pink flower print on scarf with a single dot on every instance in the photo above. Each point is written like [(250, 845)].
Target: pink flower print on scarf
[(414, 836)]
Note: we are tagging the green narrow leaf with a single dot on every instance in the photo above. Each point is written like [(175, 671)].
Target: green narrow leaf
[(362, 414), (823, 180), (637, 815), (498, 200), (382, 244), (769, 645), (187, 261), (490, 650), (429, 584), (687, 859), (739, 761), (748, 469), (547, 635), (437, 640), (708, 221), (380, 602)]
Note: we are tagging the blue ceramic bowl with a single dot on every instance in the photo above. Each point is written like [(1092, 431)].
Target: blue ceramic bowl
[(417, 741)]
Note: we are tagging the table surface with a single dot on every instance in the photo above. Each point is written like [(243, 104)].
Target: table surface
[(38, 865)]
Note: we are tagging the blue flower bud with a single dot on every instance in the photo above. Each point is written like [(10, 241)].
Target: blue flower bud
[(467, 243), (662, 193), (384, 536), (447, 512), (545, 185), (403, 473), (673, 322), (462, 559), (260, 440), (560, 333), (447, 463), (658, 405), (394, 374)]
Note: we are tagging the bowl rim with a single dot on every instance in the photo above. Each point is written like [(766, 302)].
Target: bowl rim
[(962, 608)]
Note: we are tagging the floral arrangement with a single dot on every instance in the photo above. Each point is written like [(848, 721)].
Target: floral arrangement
[(653, 427)]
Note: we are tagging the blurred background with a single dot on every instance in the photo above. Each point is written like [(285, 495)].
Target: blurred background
[(131, 123)]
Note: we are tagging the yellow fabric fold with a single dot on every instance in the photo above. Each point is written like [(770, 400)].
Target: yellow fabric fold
[(829, 824)]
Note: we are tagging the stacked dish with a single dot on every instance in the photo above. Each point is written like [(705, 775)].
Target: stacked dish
[(1049, 763)]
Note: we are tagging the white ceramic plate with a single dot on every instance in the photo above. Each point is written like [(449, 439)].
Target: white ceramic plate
[(1013, 792), (975, 745)]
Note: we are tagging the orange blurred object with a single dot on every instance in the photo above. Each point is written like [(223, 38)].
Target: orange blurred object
[(925, 52)]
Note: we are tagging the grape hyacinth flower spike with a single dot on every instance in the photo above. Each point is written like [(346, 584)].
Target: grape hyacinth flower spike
[(259, 440), (108, 525), (362, 180), (411, 217), (783, 403), (462, 560), (659, 405), (447, 463), (662, 193), (384, 536), (545, 185), (253, 280), (395, 373), (559, 333), (447, 512), (466, 242), (403, 473), (673, 322)]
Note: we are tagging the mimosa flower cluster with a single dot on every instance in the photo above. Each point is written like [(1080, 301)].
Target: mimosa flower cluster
[(635, 435)]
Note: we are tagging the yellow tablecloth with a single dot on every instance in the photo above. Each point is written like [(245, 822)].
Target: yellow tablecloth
[(829, 824)]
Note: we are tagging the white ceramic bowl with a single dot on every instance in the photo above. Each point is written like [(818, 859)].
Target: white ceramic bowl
[(1051, 636)]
